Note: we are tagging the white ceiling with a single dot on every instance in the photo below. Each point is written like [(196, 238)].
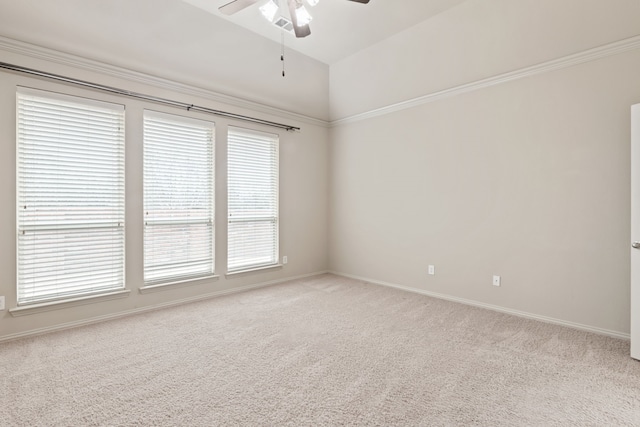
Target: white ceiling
[(339, 27)]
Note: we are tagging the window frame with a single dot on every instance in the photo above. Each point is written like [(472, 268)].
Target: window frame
[(57, 222), (177, 120), (273, 140)]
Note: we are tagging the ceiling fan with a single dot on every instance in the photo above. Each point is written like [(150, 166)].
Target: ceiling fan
[(300, 17)]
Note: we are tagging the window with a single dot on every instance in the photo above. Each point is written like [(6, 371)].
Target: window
[(70, 197), (252, 199), (178, 198)]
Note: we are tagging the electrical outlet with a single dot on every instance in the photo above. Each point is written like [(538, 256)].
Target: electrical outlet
[(432, 270), (496, 280), (284, 259), (1, 303)]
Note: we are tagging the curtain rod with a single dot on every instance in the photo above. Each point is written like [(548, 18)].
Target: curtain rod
[(157, 100)]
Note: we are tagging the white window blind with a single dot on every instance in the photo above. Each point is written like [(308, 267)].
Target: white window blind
[(178, 198), (70, 196), (252, 199)]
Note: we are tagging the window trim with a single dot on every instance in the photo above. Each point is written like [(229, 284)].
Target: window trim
[(249, 268), (72, 298), (173, 281)]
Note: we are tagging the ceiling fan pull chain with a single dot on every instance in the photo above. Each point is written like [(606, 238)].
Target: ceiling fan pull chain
[(282, 51)]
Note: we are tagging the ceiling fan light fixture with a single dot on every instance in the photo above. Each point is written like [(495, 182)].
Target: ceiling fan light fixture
[(269, 10), (303, 16), (299, 16)]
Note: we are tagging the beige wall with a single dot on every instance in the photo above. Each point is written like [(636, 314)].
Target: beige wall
[(527, 179), (303, 199)]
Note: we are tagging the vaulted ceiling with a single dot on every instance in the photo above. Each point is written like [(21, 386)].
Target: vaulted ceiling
[(339, 27), (190, 41)]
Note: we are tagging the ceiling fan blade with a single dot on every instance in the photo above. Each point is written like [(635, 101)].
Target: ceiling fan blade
[(303, 31), (236, 6), (361, 1)]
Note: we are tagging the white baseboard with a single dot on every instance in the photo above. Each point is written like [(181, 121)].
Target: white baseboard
[(524, 314), (126, 313)]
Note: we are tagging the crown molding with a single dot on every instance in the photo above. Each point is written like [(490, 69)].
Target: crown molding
[(51, 55), (63, 58), (589, 55)]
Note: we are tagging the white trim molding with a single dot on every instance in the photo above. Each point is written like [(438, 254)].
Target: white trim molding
[(596, 53), (42, 53), (62, 58), (497, 308), (634, 254)]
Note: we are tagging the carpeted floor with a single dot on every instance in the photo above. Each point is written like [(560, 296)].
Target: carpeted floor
[(320, 351)]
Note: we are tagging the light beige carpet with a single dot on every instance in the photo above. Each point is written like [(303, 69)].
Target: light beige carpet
[(320, 351)]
